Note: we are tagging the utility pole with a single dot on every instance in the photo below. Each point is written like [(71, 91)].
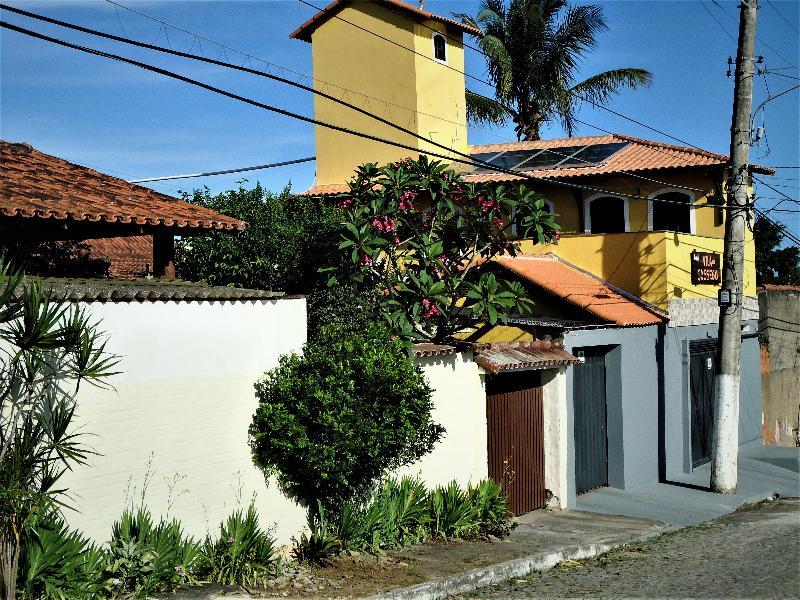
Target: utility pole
[(729, 350)]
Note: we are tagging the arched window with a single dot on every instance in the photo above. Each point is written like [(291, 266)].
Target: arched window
[(605, 214), (439, 47), (670, 210)]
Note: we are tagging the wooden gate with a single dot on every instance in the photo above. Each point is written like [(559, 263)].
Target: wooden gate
[(702, 370), (515, 420), (590, 422)]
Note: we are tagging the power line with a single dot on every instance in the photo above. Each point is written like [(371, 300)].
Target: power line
[(572, 92), (713, 16), (469, 161), (295, 84), (225, 172), (772, 73), (781, 15)]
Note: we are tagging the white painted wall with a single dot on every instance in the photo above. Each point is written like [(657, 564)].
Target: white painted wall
[(554, 396), (460, 406), (181, 410)]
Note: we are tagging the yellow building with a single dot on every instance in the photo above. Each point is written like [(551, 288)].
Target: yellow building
[(632, 211)]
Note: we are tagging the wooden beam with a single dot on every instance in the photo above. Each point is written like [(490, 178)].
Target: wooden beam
[(164, 254)]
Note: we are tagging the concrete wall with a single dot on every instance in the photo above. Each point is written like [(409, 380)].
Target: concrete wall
[(173, 431), (556, 435), (781, 399), (632, 404), (677, 394)]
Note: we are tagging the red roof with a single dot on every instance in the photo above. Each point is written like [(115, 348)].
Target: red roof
[(637, 156), (35, 184), (306, 29), (129, 257), (583, 289)]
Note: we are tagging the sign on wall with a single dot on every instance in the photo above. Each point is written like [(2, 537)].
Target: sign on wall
[(706, 268)]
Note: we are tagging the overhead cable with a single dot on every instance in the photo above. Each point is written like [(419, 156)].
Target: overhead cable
[(225, 172)]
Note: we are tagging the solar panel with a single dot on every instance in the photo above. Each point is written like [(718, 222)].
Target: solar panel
[(548, 158)]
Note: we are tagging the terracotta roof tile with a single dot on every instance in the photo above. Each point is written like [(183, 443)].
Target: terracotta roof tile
[(517, 356), (637, 155), (426, 349), (309, 27), (582, 289), (35, 184), (130, 257)]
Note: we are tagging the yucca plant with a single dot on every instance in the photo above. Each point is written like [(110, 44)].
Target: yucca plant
[(243, 554), (492, 507), (453, 515), (401, 510), (57, 563), (322, 541), (145, 558)]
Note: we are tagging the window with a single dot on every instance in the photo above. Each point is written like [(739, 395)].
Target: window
[(671, 211), (439, 47), (605, 214)]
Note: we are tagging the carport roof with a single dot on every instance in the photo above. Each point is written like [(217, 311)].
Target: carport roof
[(523, 356)]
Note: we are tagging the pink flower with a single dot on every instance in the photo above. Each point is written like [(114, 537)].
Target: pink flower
[(365, 259), (407, 200), (430, 309), (345, 203)]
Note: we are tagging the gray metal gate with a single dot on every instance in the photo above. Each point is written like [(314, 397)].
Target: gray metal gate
[(702, 370), (589, 400)]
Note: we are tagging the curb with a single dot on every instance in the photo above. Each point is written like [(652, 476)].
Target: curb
[(468, 581)]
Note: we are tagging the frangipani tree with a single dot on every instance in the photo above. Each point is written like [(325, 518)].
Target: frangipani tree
[(420, 236)]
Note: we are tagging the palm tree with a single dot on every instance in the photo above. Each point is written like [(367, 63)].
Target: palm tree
[(532, 50)]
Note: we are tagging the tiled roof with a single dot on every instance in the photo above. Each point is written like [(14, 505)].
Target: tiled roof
[(309, 27), (516, 356), (427, 349), (35, 184), (777, 287), (637, 156), (582, 289), (144, 290)]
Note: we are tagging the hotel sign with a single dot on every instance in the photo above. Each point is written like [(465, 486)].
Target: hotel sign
[(706, 268)]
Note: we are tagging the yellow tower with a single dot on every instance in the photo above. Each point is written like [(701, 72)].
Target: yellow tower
[(392, 59)]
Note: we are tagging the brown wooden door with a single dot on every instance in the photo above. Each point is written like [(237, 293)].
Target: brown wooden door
[(515, 420)]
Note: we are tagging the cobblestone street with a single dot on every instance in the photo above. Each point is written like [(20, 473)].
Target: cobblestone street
[(754, 553)]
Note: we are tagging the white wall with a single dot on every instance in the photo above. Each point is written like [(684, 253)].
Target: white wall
[(181, 410), (554, 396), (460, 406)]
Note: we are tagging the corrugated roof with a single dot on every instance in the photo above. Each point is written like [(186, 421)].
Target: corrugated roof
[(105, 290), (518, 356), (309, 27), (37, 185), (639, 155), (583, 289)]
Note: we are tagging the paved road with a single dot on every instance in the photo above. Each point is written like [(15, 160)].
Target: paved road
[(750, 554)]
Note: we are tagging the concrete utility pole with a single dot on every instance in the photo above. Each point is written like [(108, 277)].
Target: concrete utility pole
[(729, 350)]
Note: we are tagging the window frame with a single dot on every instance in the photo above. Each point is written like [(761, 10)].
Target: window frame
[(434, 35), (587, 213), (691, 205)]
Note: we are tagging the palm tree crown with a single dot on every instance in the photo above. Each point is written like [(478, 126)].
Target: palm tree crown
[(532, 50)]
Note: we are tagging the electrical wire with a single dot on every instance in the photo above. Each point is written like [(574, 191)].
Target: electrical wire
[(781, 15), (713, 16), (225, 172), (472, 160)]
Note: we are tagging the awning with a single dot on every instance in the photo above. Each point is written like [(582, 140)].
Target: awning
[(523, 356)]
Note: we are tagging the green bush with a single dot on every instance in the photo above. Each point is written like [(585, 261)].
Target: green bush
[(322, 541), (492, 507), (243, 554), (332, 422), (453, 512), (144, 558), (58, 563)]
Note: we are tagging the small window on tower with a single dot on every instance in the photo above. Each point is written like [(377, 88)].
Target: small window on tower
[(439, 47)]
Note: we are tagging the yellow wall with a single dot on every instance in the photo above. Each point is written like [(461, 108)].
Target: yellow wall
[(351, 58)]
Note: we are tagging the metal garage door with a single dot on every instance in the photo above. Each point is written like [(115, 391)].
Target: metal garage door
[(514, 415), (589, 400)]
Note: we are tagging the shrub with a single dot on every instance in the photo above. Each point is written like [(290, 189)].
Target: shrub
[(243, 554), (144, 558), (492, 508), (401, 510), (322, 541), (453, 512), (58, 563), (332, 422)]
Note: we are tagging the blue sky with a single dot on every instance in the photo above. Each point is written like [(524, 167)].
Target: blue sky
[(134, 124)]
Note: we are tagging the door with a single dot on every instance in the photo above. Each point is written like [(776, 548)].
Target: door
[(702, 370), (515, 421), (591, 440)]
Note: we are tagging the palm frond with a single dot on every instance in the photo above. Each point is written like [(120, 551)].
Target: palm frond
[(599, 88), (483, 110)]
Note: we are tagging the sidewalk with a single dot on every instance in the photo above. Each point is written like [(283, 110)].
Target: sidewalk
[(763, 472)]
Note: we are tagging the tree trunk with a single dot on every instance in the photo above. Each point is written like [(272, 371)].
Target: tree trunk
[(9, 561)]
